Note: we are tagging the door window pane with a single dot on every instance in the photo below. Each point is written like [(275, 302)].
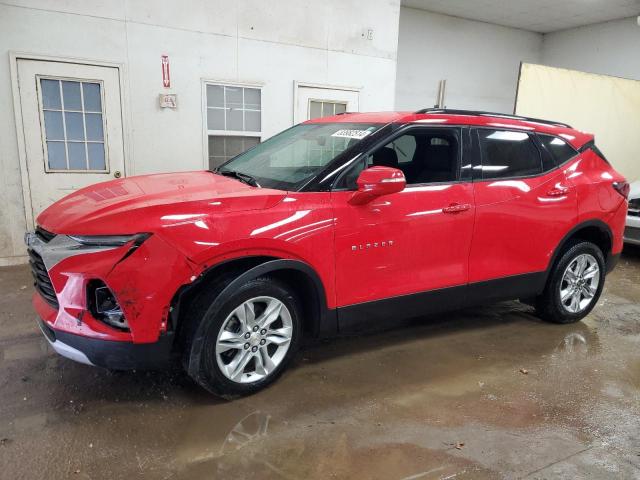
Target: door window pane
[(71, 95), (223, 147), (73, 125), (51, 94), (94, 126), (77, 156), (53, 125), (57, 155), (508, 154), (92, 100), (96, 156)]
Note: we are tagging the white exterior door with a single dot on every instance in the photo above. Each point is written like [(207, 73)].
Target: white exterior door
[(72, 122), (313, 102)]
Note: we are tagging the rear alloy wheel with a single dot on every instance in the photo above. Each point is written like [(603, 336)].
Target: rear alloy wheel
[(579, 283), (249, 339), (574, 285)]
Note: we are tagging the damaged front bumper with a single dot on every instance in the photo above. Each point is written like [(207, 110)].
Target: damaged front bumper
[(143, 281), (113, 355)]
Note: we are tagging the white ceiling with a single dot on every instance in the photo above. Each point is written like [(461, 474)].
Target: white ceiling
[(541, 16)]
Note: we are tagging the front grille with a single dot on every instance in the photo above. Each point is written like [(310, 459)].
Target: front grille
[(43, 235), (42, 282)]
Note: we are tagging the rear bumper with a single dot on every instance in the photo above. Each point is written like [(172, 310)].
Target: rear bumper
[(110, 354)]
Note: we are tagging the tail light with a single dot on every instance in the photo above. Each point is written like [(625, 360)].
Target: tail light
[(622, 188)]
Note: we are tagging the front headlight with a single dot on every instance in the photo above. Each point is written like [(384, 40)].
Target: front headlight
[(110, 240)]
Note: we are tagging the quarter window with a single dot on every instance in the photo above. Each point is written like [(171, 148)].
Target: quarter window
[(508, 154), (234, 121), (559, 149), (73, 125)]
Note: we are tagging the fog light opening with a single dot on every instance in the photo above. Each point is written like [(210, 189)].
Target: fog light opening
[(105, 307)]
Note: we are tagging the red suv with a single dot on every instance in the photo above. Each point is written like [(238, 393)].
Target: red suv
[(335, 224)]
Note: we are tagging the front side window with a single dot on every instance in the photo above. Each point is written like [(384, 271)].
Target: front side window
[(559, 149), (234, 121), (291, 158), (424, 156), (508, 154), (73, 125)]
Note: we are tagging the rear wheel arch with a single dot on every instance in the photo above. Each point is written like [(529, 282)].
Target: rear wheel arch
[(594, 231)]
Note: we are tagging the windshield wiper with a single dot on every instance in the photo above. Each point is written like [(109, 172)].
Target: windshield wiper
[(243, 177)]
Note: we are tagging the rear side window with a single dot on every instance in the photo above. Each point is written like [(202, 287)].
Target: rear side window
[(508, 154), (559, 149)]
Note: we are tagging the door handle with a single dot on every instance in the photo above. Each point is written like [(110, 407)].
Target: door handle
[(558, 191), (456, 208), (117, 174)]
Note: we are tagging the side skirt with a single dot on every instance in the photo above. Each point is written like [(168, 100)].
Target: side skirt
[(390, 310)]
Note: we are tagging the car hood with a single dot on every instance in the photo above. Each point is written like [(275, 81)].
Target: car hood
[(141, 203)]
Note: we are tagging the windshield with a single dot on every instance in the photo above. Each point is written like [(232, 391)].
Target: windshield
[(291, 158)]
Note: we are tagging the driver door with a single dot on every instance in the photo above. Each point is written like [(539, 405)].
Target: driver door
[(410, 242)]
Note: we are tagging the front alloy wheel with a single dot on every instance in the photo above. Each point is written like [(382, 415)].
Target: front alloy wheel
[(254, 339), (246, 340)]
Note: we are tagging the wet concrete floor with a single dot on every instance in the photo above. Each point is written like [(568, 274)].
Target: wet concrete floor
[(484, 393)]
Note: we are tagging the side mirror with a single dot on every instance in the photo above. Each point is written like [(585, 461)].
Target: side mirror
[(377, 181)]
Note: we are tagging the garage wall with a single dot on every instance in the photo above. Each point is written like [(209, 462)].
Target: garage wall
[(609, 48), (480, 61), (608, 107), (270, 43)]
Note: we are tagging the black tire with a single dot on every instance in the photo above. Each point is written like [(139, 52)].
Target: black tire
[(209, 374), (549, 306)]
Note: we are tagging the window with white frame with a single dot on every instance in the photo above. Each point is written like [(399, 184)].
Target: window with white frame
[(325, 108), (234, 121), (73, 127)]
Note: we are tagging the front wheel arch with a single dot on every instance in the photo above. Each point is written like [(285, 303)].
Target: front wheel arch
[(299, 276)]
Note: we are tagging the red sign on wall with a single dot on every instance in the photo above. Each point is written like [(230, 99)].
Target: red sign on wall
[(166, 78)]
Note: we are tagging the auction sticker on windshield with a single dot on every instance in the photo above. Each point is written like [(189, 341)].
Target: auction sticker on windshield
[(357, 134)]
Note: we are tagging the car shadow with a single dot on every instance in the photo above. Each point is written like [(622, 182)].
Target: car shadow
[(160, 385)]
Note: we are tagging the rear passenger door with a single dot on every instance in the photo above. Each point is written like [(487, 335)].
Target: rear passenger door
[(524, 205)]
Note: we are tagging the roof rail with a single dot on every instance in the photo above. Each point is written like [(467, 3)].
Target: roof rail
[(448, 111)]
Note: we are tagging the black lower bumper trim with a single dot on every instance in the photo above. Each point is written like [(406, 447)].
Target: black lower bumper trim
[(117, 355)]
